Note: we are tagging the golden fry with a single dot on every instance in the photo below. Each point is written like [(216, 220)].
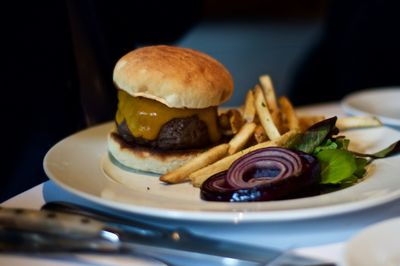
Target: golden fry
[(199, 176), (264, 115), (249, 110), (306, 121), (236, 120), (269, 92), (350, 122), (289, 113), (223, 121), (270, 96), (259, 134), (230, 122), (210, 156), (241, 138)]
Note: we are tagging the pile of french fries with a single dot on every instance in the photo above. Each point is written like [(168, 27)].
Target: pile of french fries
[(262, 121)]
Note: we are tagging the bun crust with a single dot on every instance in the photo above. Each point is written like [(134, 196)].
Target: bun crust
[(146, 159), (177, 77)]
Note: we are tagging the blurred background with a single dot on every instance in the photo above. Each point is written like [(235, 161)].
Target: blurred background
[(257, 37), (58, 57)]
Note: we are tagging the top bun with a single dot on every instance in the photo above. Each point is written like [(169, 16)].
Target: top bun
[(177, 77)]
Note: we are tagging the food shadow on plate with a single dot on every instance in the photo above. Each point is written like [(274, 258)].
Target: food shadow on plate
[(129, 169)]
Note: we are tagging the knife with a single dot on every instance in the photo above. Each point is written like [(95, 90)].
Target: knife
[(24, 230)]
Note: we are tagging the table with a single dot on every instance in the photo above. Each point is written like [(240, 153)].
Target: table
[(323, 237)]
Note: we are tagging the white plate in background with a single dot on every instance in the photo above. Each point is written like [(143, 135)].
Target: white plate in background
[(383, 103), (377, 245)]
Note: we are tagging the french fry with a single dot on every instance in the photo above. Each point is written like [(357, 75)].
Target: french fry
[(259, 134), (249, 111), (264, 115), (235, 120), (269, 92), (210, 156), (241, 138), (307, 121), (351, 122), (201, 175), (270, 96), (289, 113), (223, 121)]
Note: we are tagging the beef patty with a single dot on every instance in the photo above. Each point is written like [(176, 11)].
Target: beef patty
[(176, 134)]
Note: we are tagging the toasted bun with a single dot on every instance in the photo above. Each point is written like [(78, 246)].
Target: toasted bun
[(145, 159), (176, 77)]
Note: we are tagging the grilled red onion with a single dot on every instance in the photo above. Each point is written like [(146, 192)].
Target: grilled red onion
[(271, 173)]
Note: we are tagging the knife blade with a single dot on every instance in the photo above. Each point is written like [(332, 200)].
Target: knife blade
[(57, 231)]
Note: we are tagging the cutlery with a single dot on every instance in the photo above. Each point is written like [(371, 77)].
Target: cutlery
[(72, 228)]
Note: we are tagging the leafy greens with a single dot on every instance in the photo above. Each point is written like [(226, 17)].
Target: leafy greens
[(339, 165)]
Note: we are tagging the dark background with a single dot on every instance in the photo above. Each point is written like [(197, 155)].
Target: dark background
[(57, 60)]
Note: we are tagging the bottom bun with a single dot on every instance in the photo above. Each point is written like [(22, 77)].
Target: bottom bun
[(147, 159)]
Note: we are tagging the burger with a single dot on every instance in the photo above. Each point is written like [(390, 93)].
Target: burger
[(167, 107)]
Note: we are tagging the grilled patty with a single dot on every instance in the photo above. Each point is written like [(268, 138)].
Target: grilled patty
[(176, 134)]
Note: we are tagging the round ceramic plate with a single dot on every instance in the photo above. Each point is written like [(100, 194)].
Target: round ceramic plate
[(376, 245), (383, 103), (80, 164)]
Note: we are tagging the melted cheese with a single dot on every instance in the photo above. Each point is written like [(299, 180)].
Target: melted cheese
[(145, 117)]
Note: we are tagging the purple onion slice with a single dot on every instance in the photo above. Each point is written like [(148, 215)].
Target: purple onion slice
[(271, 173)]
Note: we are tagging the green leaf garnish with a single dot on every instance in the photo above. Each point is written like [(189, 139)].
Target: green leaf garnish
[(392, 149), (327, 145), (342, 142), (339, 166), (361, 164), (336, 165), (314, 136)]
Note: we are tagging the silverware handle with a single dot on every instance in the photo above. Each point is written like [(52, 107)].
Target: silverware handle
[(51, 223), (136, 227)]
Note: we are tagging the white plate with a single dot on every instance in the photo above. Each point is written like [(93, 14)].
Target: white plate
[(383, 103), (76, 164), (377, 245)]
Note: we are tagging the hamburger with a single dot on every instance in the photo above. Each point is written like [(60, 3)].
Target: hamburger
[(167, 107)]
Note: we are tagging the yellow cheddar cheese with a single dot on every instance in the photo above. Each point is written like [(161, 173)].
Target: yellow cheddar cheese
[(145, 117)]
